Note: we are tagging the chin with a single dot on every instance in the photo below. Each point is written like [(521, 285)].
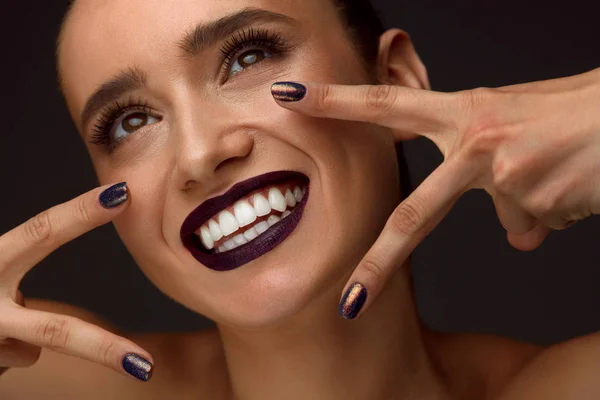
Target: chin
[(290, 283), (271, 299)]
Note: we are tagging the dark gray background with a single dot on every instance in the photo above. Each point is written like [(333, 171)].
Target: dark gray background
[(468, 278)]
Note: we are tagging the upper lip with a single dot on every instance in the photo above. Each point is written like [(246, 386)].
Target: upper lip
[(211, 207)]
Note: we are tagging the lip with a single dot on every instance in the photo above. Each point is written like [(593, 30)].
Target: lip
[(264, 243)]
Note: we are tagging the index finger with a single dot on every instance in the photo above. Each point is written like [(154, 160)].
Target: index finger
[(76, 337), (29, 243), (409, 224), (423, 112)]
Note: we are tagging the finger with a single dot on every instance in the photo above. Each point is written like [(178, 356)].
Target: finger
[(513, 217), (531, 240), (31, 242), (423, 112), (75, 337), (412, 220)]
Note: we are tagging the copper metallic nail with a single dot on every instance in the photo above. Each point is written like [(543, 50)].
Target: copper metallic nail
[(353, 300), (288, 91)]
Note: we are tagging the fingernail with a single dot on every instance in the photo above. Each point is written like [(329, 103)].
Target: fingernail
[(288, 91), (137, 366), (353, 300), (114, 196)]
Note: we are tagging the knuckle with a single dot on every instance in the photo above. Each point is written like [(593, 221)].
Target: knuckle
[(487, 134), (323, 98), (380, 98), (504, 175), (81, 210), (54, 333), (106, 350), (38, 230), (541, 204), (508, 173), (406, 218), (475, 99), (373, 268)]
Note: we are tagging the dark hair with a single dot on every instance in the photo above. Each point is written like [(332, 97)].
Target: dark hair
[(365, 27)]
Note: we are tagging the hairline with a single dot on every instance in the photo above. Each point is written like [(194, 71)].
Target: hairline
[(350, 35)]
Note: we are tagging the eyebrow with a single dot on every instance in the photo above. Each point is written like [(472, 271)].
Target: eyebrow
[(127, 81), (202, 36)]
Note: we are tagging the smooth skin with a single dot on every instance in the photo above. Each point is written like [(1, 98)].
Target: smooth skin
[(279, 335), (24, 331), (534, 148)]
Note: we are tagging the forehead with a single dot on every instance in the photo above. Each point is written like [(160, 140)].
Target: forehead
[(104, 37)]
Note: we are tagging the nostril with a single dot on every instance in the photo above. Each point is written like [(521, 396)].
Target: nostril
[(188, 185)]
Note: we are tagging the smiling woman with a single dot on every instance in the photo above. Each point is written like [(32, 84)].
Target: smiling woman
[(240, 210)]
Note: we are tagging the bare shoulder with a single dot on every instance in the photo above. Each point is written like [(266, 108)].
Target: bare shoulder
[(190, 365), (492, 367), (478, 366), (564, 371)]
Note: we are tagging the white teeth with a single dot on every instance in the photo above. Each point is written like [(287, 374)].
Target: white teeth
[(261, 227), (227, 223), (273, 219), (207, 239), (298, 194), (215, 231), (289, 198), (239, 240), (261, 205), (229, 245), (251, 234), (276, 200), (244, 213)]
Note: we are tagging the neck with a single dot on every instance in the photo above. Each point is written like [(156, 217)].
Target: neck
[(320, 355)]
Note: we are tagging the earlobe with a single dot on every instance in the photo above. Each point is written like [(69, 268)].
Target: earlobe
[(399, 63)]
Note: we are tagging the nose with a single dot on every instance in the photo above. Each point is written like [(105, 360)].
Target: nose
[(208, 146)]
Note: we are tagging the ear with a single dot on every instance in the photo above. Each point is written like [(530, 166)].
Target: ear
[(399, 63)]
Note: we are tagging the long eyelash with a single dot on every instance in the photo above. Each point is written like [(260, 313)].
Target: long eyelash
[(262, 38), (108, 116), (272, 41)]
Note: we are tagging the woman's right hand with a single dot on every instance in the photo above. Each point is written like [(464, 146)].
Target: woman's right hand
[(23, 331)]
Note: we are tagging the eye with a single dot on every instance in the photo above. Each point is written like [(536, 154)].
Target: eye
[(247, 59), (131, 123)]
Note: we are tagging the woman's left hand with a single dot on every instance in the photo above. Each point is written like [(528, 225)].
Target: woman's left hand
[(534, 147)]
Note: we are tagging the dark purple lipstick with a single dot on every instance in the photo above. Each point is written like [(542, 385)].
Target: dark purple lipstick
[(264, 243)]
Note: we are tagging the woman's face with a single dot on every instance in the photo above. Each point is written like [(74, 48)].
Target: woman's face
[(195, 123)]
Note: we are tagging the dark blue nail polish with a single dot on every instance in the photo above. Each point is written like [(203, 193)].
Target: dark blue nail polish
[(137, 366), (114, 196), (353, 300), (288, 91)]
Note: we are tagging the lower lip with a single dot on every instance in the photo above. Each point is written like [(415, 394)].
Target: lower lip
[(247, 252)]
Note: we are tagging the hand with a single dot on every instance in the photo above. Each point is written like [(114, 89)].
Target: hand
[(535, 148), (23, 331)]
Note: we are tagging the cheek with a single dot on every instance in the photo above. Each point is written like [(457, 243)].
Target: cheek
[(140, 225)]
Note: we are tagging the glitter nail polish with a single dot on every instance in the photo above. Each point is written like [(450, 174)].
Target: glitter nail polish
[(137, 366), (114, 196), (288, 91), (353, 300)]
